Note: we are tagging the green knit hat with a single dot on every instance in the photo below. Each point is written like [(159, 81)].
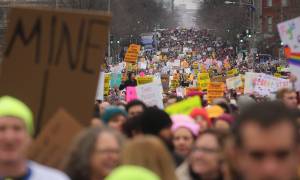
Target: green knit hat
[(129, 172), (10, 106)]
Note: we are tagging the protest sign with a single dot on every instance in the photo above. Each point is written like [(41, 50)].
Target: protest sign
[(185, 106), (265, 85), (53, 143), (144, 80), (151, 94), (174, 84), (132, 53), (115, 80), (234, 82), (130, 94), (278, 75), (232, 72), (52, 58), (249, 82), (203, 80), (289, 32), (106, 84), (215, 90)]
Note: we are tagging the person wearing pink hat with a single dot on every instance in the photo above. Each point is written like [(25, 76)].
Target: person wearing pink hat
[(185, 130), (201, 117)]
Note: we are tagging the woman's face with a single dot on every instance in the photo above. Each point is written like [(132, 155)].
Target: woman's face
[(222, 125), (183, 141), (202, 122), (205, 157), (106, 155), (117, 122)]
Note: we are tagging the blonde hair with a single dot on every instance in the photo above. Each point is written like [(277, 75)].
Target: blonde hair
[(150, 152)]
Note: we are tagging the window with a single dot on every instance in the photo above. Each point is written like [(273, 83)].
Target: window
[(269, 3), (284, 3), (270, 24)]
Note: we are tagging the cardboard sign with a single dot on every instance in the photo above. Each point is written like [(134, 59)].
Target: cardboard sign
[(106, 84), (130, 94), (185, 106), (215, 90), (52, 60), (144, 80), (265, 84), (234, 82), (115, 80), (53, 143), (132, 53), (150, 94), (203, 80), (289, 32)]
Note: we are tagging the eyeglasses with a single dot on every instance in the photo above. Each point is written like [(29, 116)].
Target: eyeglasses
[(206, 150)]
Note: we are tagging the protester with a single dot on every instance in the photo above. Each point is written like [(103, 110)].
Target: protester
[(114, 117), (157, 122), (185, 130), (131, 81), (223, 122), (94, 154), (135, 107), (16, 130), (200, 115), (267, 142), (288, 97), (149, 152), (206, 160)]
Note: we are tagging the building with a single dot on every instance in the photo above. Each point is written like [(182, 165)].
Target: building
[(272, 13)]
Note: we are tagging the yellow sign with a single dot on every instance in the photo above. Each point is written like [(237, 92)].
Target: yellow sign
[(132, 53), (278, 75), (232, 72), (203, 80), (144, 80), (215, 90), (185, 106), (174, 84), (106, 84)]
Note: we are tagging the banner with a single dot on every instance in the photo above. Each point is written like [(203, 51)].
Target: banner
[(215, 90), (132, 53), (203, 80), (150, 94), (144, 80), (185, 106), (234, 82)]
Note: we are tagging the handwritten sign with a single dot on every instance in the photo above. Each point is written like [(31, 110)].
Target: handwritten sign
[(150, 94), (185, 106), (52, 144), (132, 53), (215, 90), (289, 32), (52, 60), (234, 82)]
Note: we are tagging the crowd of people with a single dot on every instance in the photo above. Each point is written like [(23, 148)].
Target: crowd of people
[(234, 137)]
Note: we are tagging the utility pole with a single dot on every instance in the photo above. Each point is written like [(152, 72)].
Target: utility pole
[(108, 46)]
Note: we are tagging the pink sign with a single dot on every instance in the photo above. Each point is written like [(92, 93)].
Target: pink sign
[(142, 74), (130, 94)]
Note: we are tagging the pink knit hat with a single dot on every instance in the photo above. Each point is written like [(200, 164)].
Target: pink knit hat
[(185, 121)]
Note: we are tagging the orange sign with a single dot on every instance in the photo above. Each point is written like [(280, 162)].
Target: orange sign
[(132, 53)]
